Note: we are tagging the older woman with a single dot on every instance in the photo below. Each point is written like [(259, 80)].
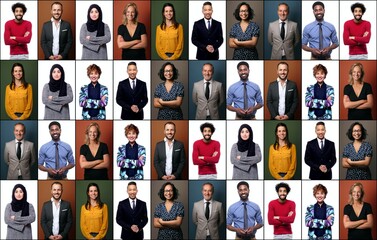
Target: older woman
[(169, 35), (94, 34), (94, 214), (168, 215), (245, 155), (357, 154), (168, 95), (94, 96), (131, 157), (19, 214), (94, 155), (243, 36), (18, 95), (358, 95), (282, 155), (56, 95), (358, 215), (132, 35)]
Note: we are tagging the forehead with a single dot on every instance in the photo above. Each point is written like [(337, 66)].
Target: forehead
[(168, 186), (282, 189), (281, 128), (54, 127), (243, 67), (207, 7), (357, 126), (282, 66), (56, 186), (207, 67), (207, 187), (19, 9), (168, 8), (243, 7), (56, 7), (357, 9), (242, 187), (282, 7), (320, 126), (168, 66), (169, 126), (131, 187), (318, 8), (19, 127), (92, 188)]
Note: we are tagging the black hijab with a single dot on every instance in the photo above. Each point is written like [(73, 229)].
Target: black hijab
[(58, 85), (20, 205), (246, 145), (96, 25)]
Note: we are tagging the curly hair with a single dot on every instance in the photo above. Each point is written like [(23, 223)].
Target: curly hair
[(236, 13), (283, 185), (162, 189), (350, 130), (162, 70)]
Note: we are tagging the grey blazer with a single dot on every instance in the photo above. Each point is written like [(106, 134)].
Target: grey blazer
[(28, 158), (215, 100), (291, 99), (215, 221), (292, 37), (65, 219)]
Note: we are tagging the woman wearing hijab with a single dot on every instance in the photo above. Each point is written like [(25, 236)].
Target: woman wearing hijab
[(56, 95), (245, 155), (94, 35), (19, 214)]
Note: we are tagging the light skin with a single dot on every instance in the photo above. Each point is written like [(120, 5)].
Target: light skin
[(94, 76), (207, 72), (132, 192), (132, 72), (56, 75), (283, 12), (320, 130), (245, 135), (169, 132), (207, 12), (282, 72), (94, 15), (176, 223), (19, 132), (207, 192), (251, 43), (17, 73), (56, 192), (158, 102), (281, 133), (93, 194), (357, 142), (19, 195), (56, 12)]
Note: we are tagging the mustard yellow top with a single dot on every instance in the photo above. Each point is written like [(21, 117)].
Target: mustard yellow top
[(169, 40), (19, 100), (94, 220), (282, 160)]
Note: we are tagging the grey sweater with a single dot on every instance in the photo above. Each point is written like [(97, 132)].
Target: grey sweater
[(20, 227), (57, 108)]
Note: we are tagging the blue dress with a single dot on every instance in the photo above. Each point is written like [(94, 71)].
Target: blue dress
[(365, 150), (177, 210), (252, 30), (167, 113)]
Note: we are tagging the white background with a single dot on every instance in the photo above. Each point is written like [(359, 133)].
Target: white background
[(81, 18), (195, 10), (232, 138), (44, 68), (105, 79), (332, 79), (255, 76), (218, 135), (31, 16), (6, 197)]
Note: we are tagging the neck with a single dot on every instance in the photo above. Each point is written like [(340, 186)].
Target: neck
[(93, 202), (56, 201), (281, 142), (282, 201)]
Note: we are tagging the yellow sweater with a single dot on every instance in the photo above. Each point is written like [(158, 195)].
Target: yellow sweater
[(94, 220), (169, 40), (282, 160), (19, 100)]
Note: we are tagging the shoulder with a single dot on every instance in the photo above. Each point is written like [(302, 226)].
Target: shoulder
[(177, 142), (329, 25), (292, 83), (47, 23), (67, 24), (66, 145), (254, 205)]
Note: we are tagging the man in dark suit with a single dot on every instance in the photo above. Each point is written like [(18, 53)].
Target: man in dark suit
[(56, 208), (208, 215), (19, 154), (282, 95), (320, 155), (132, 95), (207, 35), (169, 155), (56, 37), (132, 215)]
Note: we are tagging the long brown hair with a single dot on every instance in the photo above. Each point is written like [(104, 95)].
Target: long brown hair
[(287, 142), (23, 81), (174, 21), (98, 200)]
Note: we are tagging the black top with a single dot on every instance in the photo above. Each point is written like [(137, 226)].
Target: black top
[(95, 174), (354, 233), (359, 114), (132, 54)]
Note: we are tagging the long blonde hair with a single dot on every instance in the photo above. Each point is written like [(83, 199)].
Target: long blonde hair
[(350, 200), (350, 79), (125, 21), (93, 124)]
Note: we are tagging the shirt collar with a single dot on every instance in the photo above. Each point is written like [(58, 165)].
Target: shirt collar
[(52, 200), (165, 140), (210, 81), (53, 20), (22, 141)]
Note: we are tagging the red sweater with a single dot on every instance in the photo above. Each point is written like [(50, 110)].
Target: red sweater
[(19, 45), (359, 44), (283, 224), (208, 164)]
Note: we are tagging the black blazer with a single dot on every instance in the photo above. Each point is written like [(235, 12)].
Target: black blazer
[(126, 97), (65, 219), (291, 99), (201, 37), (314, 157), (179, 159), (126, 217), (65, 39)]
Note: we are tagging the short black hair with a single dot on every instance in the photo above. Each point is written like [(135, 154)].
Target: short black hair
[(131, 183), (243, 183), (236, 13), (358, 5), (320, 123), (242, 63), (19, 5), (363, 131), (161, 72), (54, 123), (207, 125), (318, 3), (131, 63), (207, 3), (282, 185), (161, 192)]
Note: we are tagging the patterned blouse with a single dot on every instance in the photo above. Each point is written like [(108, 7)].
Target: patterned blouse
[(167, 113), (355, 173), (243, 53), (315, 223), (131, 168), (87, 103)]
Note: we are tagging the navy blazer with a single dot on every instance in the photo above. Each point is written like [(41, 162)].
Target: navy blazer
[(201, 37), (126, 217), (65, 39)]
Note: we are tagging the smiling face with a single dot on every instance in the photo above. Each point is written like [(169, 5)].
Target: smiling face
[(319, 13), (93, 133), (168, 72), (131, 136), (168, 192), (94, 76), (207, 11), (245, 134), (356, 194), (19, 132), (207, 134), (56, 74), (168, 13), (18, 14), (169, 131), (283, 12), (131, 71), (243, 192), (56, 191), (19, 194), (207, 192), (320, 76), (55, 132), (17, 73), (282, 72), (356, 73), (357, 14), (243, 72), (132, 191), (281, 133), (282, 193), (56, 11), (94, 14), (207, 72), (244, 12), (130, 13), (356, 132), (93, 193), (320, 196), (320, 130)]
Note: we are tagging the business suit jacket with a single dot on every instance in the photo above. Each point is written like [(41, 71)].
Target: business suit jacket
[(292, 38), (65, 39), (201, 37), (179, 159), (215, 100), (126, 217), (314, 157), (28, 158), (291, 99), (65, 219), (126, 97), (213, 224)]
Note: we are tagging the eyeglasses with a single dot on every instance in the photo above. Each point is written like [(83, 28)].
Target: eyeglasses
[(168, 71), (168, 191), (244, 11), (356, 131)]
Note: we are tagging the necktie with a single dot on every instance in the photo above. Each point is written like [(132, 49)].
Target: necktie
[(57, 156), (245, 221), (133, 204), (320, 36), (207, 90), (245, 100), (207, 210), (282, 31), (209, 24), (321, 144), (19, 150), (133, 84)]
